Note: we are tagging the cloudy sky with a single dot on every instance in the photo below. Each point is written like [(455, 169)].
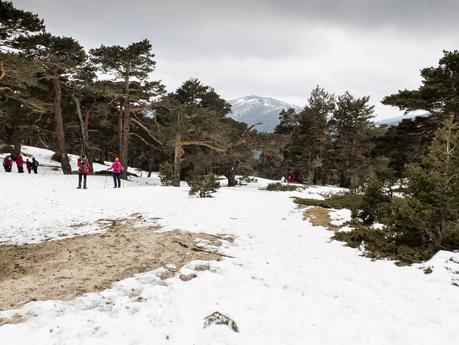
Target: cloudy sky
[(279, 49)]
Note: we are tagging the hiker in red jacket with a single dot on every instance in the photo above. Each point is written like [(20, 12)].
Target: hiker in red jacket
[(20, 163), (116, 168), (7, 163), (28, 165), (83, 169)]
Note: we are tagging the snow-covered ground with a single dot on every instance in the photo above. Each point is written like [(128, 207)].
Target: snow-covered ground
[(287, 283)]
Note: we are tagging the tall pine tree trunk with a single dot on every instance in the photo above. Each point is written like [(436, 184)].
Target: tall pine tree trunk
[(120, 127), (83, 125), (231, 176), (177, 159), (150, 162), (17, 145), (125, 126), (60, 135)]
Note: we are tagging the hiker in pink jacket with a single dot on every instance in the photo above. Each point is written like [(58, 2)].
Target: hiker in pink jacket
[(116, 169)]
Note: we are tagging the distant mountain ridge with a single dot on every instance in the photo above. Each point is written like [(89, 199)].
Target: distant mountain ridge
[(265, 110), (255, 109), (393, 121)]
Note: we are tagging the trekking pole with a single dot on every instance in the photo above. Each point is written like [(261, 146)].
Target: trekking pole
[(105, 182)]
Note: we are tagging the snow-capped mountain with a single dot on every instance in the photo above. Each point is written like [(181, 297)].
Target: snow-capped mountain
[(394, 121), (254, 109)]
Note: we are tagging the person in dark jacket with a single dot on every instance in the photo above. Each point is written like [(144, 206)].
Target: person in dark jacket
[(28, 165), (35, 165), (7, 163), (83, 169)]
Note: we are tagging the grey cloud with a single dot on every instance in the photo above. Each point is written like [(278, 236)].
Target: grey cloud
[(265, 28), (429, 15), (267, 47)]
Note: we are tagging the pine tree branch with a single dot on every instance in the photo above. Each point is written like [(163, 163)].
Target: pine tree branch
[(142, 139), (205, 144), (137, 122)]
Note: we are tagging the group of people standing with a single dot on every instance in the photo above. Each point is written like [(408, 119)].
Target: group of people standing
[(293, 177), (30, 165), (84, 166)]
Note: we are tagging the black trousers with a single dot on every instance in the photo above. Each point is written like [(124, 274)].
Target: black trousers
[(82, 177), (20, 169), (117, 179)]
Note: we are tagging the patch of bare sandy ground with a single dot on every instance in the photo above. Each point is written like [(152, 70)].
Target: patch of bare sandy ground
[(318, 216), (65, 269)]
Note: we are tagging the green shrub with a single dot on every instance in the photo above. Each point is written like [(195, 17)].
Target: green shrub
[(379, 245), (6, 149), (350, 201), (246, 179), (166, 173), (280, 187), (203, 185), (374, 202)]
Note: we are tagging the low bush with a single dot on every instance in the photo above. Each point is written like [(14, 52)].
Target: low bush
[(166, 173), (378, 245), (203, 185), (350, 201), (280, 187), (246, 179)]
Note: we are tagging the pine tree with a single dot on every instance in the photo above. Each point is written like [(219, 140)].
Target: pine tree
[(288, 120), (438, 94), (239, 142), (308, 147), (15, 23), (18, 75), (193, 118), (405, 143), (428, 213), (59, 56), (134, 62), (349, 126)]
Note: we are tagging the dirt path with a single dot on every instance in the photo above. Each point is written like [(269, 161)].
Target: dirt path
[(68, 268), (318, 216)]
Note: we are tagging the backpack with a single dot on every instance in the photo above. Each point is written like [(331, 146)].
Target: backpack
[(83, 165)]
